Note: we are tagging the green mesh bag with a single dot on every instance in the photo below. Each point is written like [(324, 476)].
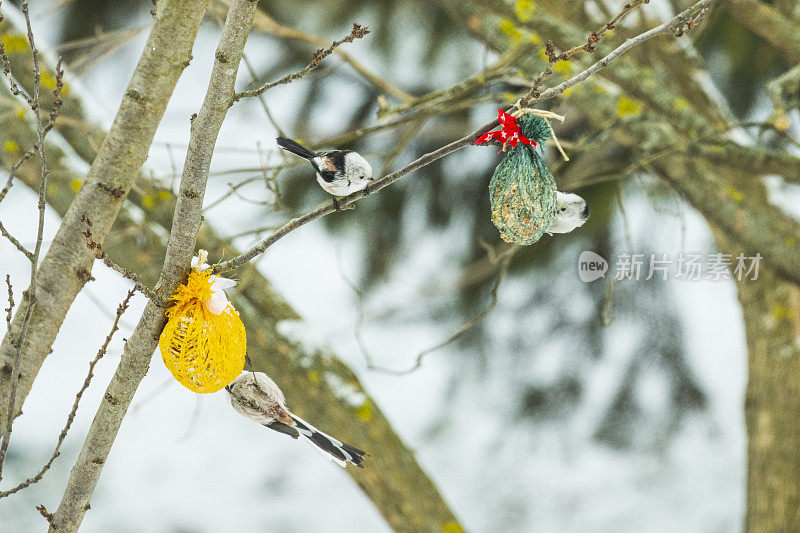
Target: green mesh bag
[(522, 191), (535, 128)]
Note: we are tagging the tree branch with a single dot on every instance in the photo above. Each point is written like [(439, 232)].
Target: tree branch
[(100, 254), (18, 245), (677, 25), (34, 103), (356, 33), (138, 351), (71, 417), (267, 24), (66, 266), (768, 23), (314, 381), (672, 26), (589, 46)]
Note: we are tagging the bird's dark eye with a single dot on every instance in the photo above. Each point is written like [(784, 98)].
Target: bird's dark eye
[(563, 208)]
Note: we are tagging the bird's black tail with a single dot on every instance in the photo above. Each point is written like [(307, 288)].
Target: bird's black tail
[(334, 449), (295, 147)]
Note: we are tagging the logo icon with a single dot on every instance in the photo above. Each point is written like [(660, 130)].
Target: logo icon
[(591, 266)]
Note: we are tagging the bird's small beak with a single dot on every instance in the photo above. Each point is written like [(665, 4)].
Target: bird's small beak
[(228, 388), (586, 212)]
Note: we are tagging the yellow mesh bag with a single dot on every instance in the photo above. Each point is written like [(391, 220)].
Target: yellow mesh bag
[(203, 351)]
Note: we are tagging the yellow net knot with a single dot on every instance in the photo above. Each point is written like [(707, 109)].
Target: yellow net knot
[(204, 342)]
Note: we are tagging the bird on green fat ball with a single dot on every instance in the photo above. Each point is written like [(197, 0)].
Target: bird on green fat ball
[(524, 199)]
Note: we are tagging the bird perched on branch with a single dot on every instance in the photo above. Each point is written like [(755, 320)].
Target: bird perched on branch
[(339, 172), (573, 212), (256, 396)]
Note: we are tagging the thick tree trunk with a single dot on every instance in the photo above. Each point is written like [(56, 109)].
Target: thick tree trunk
[(317, 384), (68, 262), (139, 349), (772, 406)]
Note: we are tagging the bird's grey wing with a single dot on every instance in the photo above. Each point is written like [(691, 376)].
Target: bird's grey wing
[(280, 427)]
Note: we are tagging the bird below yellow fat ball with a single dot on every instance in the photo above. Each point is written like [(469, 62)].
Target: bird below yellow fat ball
[(204, 343)]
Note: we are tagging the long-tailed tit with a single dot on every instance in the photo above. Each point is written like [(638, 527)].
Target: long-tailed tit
[(573, 212), (339, 172), (256, 396)]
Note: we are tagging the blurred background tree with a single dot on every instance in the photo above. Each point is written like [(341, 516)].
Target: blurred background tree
[(649, 125)]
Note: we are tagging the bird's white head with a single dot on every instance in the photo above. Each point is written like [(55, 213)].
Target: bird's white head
[(356, 167), (573, 212)]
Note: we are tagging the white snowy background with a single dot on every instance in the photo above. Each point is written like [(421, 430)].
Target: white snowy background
[(188, 463)]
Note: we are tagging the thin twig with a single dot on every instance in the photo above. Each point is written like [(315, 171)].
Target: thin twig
[(502, 261), (187, 218), (463, 330), (71, 417), (43, 511), (34, 105), (10, 308), (446, 97), (677, 26), (405, 138), (10, 180), (193, 421), (254, 231), (100, 254), (15, 90), (674, 26), (357, 32), (270, 180), (589, 46), (13, 240), (261, 98), (358, 325), (265, 23), (41, 131)]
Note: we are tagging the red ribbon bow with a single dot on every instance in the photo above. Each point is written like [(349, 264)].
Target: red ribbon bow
[(510, 133)]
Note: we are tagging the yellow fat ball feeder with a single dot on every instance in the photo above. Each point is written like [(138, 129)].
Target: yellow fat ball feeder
[(204, 343)]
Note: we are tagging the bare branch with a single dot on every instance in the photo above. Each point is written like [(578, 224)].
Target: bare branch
[(502, 261), (71, 417), (267, 24), (589, 46), (251, 71), (13, 240), (33, 101), (187, 218), (45, 129), (677, 24), (446, 98), (357, 32), (10, 308), (6, 64), (114, 167), (100, 254), (43, 511), (10, 180)]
